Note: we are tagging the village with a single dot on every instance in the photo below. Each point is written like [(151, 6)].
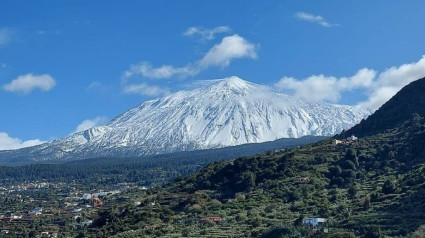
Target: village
[(52, 208)]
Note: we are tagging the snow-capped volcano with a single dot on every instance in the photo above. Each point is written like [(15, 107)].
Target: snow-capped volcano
[(220, 113)]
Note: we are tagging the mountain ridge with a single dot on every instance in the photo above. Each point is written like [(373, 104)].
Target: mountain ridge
[(222, 113)]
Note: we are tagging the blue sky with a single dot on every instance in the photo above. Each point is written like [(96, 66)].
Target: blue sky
[(68, 65)]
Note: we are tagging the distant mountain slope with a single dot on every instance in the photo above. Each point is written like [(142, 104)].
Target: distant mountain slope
[(152, 170), (208, 155), (401, 107), (221, 113)]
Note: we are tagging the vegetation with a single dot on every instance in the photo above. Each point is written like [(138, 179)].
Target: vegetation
[(142, 170), (373, 187), (370, 188)]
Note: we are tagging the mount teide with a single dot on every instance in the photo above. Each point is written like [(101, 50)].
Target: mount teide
[(221, 113)]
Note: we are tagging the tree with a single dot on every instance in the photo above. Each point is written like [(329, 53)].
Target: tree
[(388, 187), (348, 164), (373, 232), (366, 203), (351, 155), (335, 171), (352, 191)]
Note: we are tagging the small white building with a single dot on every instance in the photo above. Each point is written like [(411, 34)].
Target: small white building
[(87, 196), (352, 138), (45, 234), (37, 211), (76, 210), (313, 222)]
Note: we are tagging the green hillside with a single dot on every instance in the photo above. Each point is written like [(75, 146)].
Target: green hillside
[(373, 187)]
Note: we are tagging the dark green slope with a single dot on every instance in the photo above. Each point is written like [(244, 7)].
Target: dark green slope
[(149, 170), (372, 188), (401, 107)]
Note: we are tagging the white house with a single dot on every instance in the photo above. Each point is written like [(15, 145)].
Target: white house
[(37, 211), (352, 138), (313, 221), (87, 196), (77, 210)]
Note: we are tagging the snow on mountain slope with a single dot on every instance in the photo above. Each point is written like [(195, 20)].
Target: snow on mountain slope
[(221, 113)]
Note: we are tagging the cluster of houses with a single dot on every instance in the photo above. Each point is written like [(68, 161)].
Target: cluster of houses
[(71, 202), (350, 140), (89, 196)]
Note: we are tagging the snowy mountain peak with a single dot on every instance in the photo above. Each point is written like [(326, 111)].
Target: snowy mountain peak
[(230, 85), (223, 112), (234, 82)]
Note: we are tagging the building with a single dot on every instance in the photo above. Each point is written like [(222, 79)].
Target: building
[(36, 212), (211, 219), (350, 140), (45, 234), (76, 210), (302, 180), (313, 222), (87, 196), (337, 142)]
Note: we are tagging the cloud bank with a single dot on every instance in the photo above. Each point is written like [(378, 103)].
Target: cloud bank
[(29, 82), (378, 87), (10, 143)]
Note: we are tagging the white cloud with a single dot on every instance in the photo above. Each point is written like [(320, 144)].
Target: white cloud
[(10, 143), (314, 19), (5, 36), (379, 88), (89, 123), (207, 34), (147, 90), (29, 82), (166, 71), (230, 48), (325, 88), (391, 80)]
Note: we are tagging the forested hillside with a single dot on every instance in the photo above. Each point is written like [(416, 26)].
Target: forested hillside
[(142, 170), (367, 188)]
